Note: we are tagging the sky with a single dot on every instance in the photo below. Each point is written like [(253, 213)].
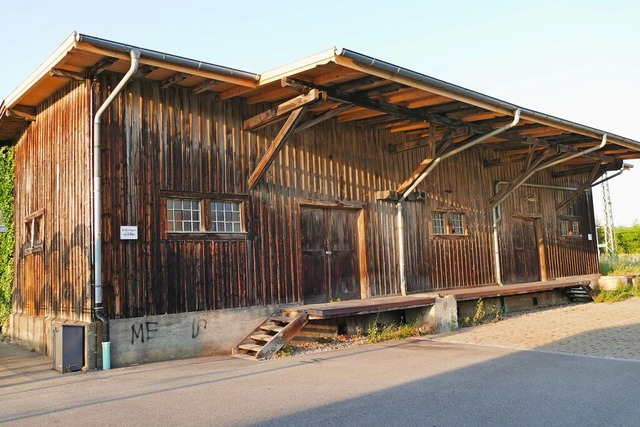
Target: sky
[(578, 60)]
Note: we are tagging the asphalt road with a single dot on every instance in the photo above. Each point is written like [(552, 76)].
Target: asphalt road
[(415, 382)]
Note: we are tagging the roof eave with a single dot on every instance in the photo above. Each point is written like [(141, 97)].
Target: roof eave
[(355, 60)]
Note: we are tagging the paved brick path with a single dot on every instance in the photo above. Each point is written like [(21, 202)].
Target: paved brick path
[(604, 330)]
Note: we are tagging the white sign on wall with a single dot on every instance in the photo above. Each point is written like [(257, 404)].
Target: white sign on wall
[(128, 232)]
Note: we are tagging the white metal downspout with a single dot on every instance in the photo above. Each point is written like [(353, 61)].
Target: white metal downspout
[(400, 221), (496, 206), (97, 209)]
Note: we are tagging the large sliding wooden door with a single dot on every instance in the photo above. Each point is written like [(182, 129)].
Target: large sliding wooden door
[(330, 267)]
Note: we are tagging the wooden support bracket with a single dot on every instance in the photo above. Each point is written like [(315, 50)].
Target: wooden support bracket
[(595, 173), (534, 162), (436, 150), (204, 86), (275, 147), (322, 117), (26, 116), (57, 72), (99, 66), (278, 113), (173, 80)]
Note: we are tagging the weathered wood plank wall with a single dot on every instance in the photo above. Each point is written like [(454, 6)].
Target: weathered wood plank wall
[(172, 141), (53, 175), (159, 142)]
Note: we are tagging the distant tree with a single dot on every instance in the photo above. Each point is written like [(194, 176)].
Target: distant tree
[(628, 239)]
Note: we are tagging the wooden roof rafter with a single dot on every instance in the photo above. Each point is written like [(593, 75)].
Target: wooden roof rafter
[(173, 80), (100, 66), (143, 70)]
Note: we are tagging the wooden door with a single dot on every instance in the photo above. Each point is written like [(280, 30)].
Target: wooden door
[(526, 253), (329, 254)]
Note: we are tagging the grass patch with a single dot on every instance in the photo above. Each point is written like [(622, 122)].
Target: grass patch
[(379, 333), (622, 293), (481, 316), (619, 265), (286, 351)]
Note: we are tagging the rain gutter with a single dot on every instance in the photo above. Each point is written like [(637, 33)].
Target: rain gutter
[(97, 209), (165, 57)]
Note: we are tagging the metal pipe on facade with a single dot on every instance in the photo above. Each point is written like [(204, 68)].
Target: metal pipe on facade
[(625, 167), (496, 206), (546, 166), (400, 221), (97, 209)]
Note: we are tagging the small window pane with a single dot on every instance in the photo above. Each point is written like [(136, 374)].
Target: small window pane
[(183, 215), (457, 223), (226, 217), (437, 223)]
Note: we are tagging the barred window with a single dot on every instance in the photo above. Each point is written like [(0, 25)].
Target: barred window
[(438, 223), (183, 215), (226, 217)]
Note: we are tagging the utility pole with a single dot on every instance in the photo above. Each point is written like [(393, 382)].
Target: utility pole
[(609, 238)]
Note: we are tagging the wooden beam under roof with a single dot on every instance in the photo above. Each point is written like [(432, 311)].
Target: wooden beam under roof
[(437, 148), (382, 90), (100, 66), (205, 86), (409, 126), (384, 107), (358, 84), (427, 102), (58, 72), (406, 95), (275, 114), (337, 109), (595, 173), (173, 80), (272, 95), (357, 114), (334, 75), (143, 71), (26, 113)]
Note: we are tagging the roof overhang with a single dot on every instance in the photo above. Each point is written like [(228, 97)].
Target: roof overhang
[(400, 100), (81, 57), (359, 88)]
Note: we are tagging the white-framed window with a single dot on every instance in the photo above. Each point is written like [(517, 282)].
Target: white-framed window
[(456, 220), (226, 217), (438, 225), (570, 227), (204, 215), (448, 223), (183, 215)]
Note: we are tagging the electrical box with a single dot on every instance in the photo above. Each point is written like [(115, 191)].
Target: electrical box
[(68, 347)]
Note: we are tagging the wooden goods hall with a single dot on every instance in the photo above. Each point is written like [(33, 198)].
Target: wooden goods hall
[(167, 205)]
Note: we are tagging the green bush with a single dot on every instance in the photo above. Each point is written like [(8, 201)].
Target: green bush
[(6, 239)]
